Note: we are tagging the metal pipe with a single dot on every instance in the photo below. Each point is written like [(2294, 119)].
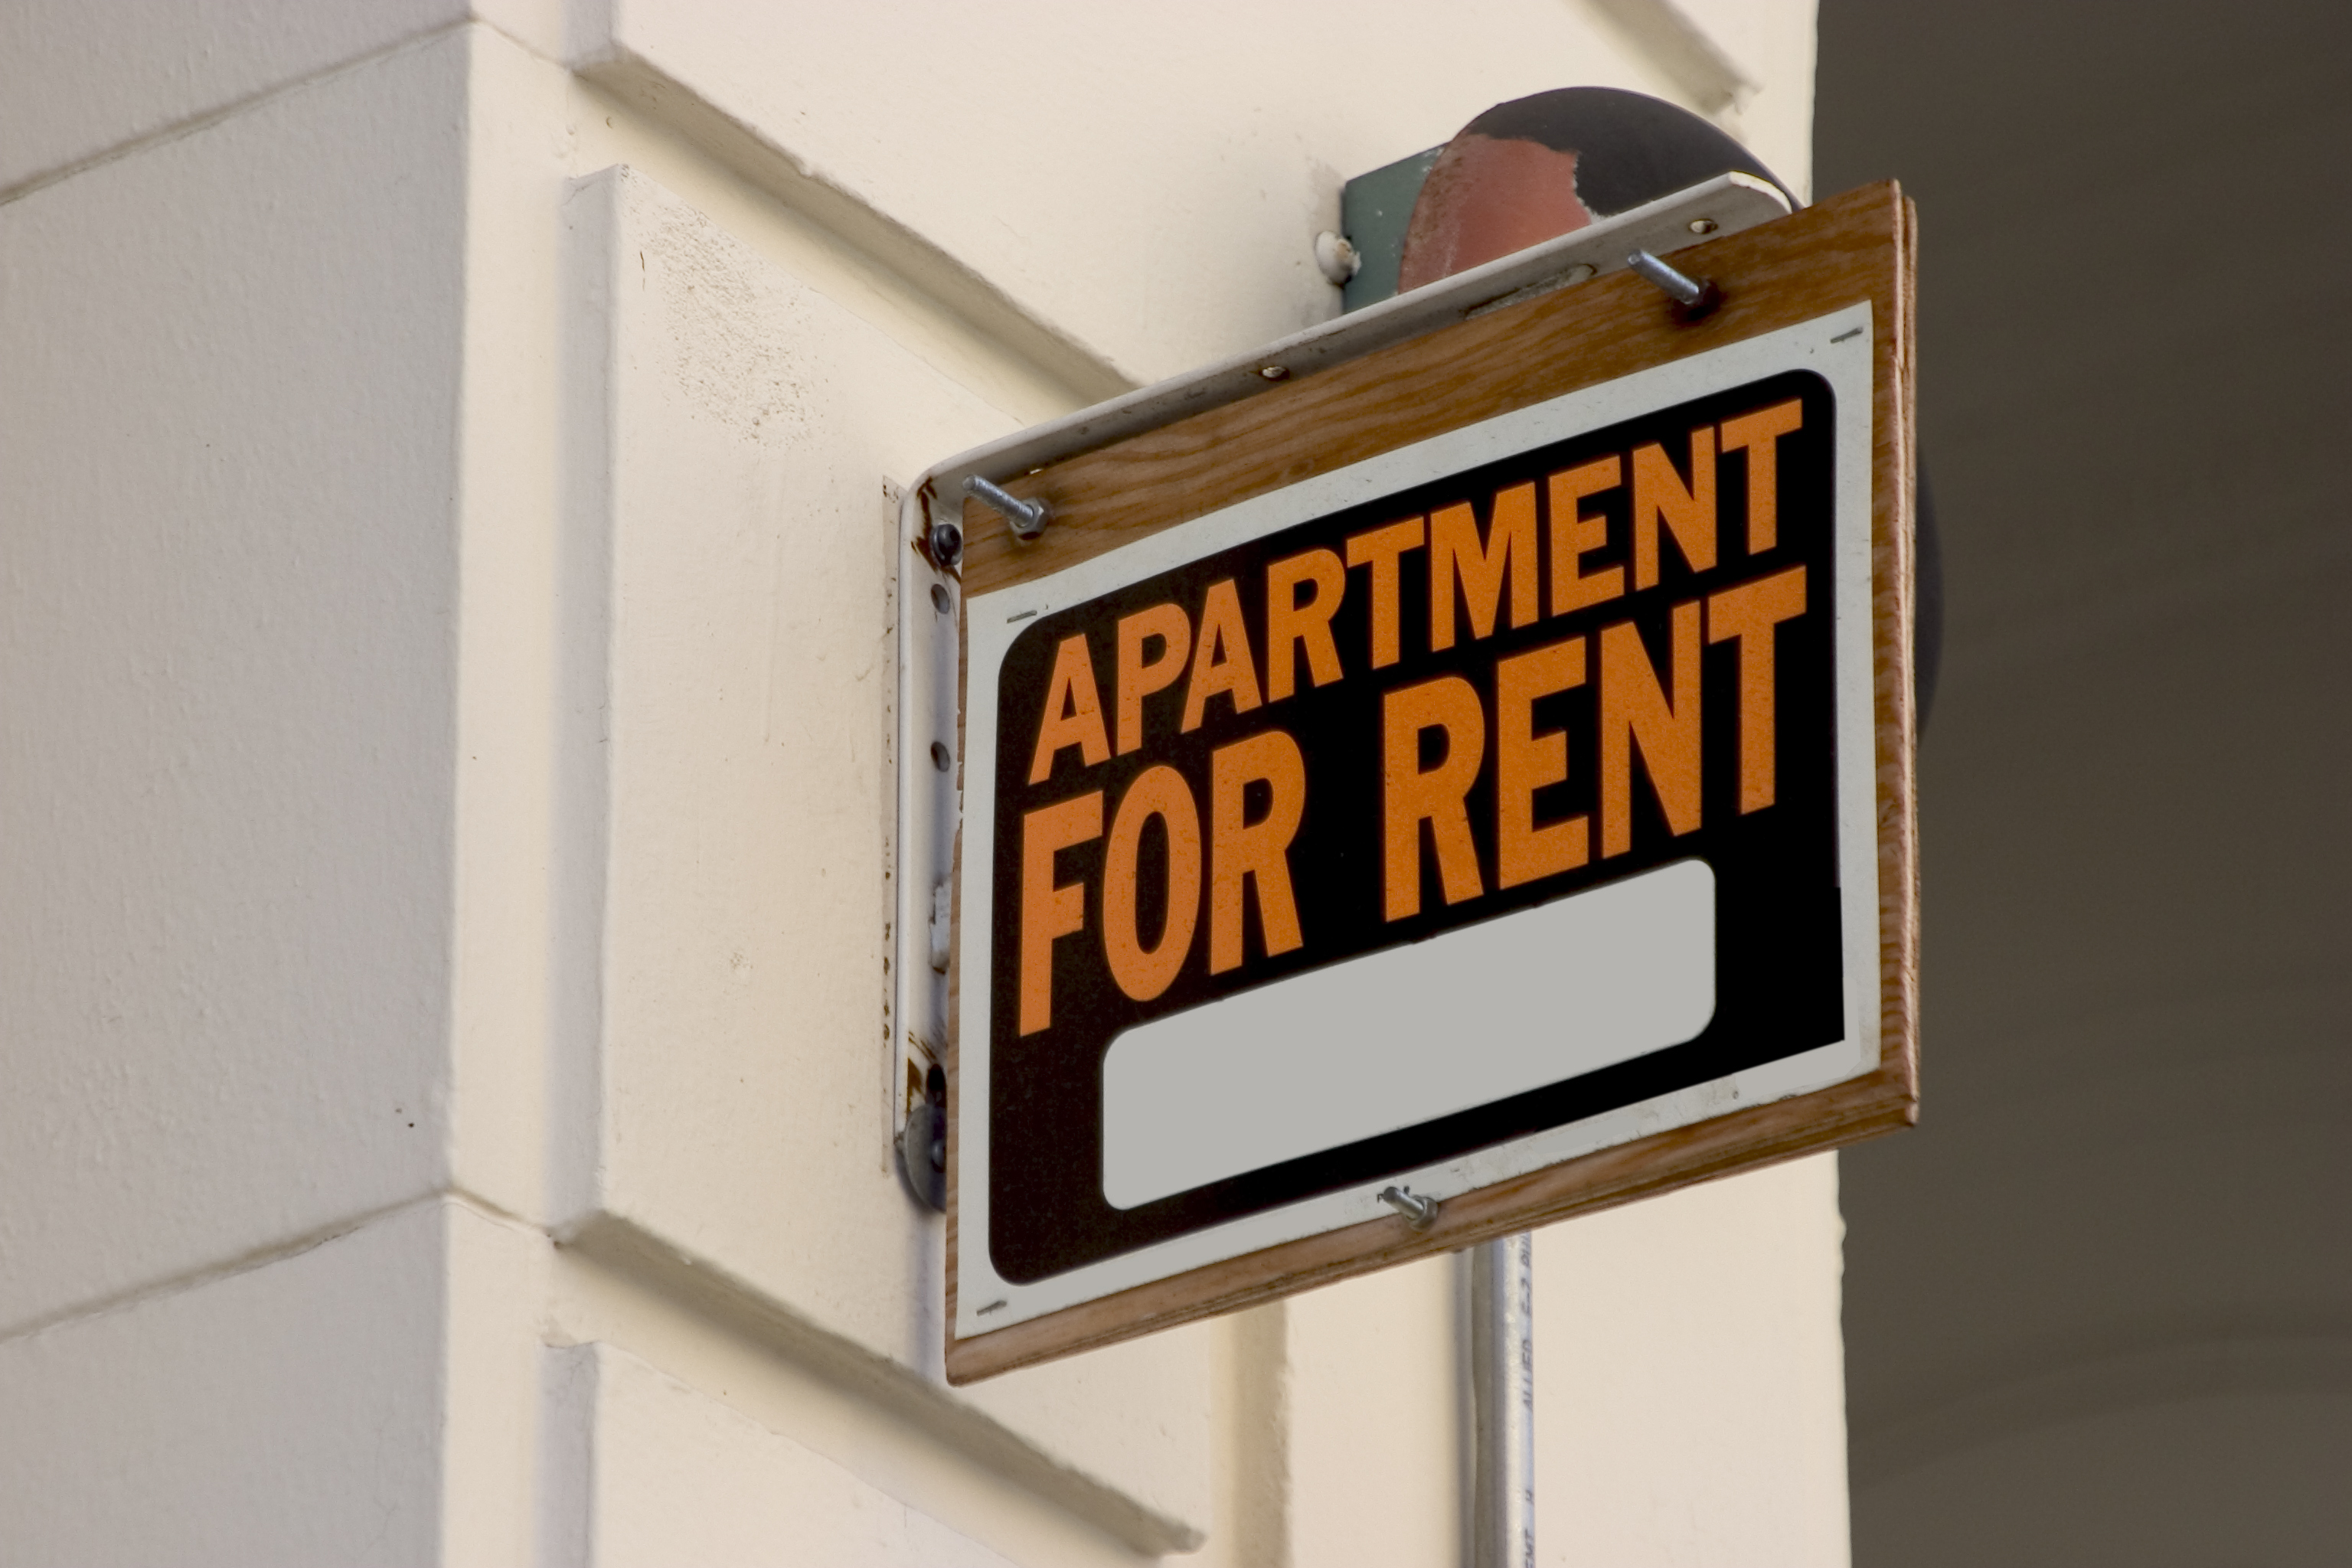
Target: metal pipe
[(1503, 1400)]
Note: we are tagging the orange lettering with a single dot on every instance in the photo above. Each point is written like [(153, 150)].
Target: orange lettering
[(1221, 660), (1758, 433), (1290, 625), (1258, 851), (1575, 536), (1635, 712), (1436, 797), (1382, 550), (1048, 912), (1524, 761), (1455, 551), (1138, 679), (1073, 712), (1749, 614), (1689, 515), (1143, 973)]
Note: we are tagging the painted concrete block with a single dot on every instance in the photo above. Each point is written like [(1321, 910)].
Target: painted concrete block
[(496, 1310), (228, 427), (290, 1413), (1376, 1418), (739, 487), (509, 706), (644, 1470), (1156, 216), (1133, 1420), (732, 1132), (79, 79), (1690, 1393)]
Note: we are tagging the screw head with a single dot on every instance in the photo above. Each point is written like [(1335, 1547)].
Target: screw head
[(922, 1147), (947, 543), (1703, 226), (1274, 371)]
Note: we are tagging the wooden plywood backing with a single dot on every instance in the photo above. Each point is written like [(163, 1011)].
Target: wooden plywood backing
[(1859, 247)]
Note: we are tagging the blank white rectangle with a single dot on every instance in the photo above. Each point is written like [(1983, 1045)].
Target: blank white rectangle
[(1402, 1036)]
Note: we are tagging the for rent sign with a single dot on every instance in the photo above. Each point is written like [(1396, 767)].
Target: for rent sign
[(1508, 796)]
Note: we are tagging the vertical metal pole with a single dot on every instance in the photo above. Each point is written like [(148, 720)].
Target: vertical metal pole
[(1503, 1375)]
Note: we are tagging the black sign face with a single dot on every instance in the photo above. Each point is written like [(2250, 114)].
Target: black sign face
[(1297, 753)]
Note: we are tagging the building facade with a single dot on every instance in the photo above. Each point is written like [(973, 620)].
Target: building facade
[(448, 541)]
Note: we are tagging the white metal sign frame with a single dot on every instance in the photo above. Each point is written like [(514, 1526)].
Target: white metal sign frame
[(1838, 347)]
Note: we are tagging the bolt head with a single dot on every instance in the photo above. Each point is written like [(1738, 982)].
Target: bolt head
[(947, 543)]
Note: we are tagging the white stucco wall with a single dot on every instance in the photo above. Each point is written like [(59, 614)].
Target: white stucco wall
[(448, 587)]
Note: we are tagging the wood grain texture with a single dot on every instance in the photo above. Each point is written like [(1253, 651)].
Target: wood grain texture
[(1854, 248)]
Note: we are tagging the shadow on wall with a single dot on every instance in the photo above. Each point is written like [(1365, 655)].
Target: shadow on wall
[(2107, 1287)]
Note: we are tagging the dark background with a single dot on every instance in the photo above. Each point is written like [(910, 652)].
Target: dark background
[(2099, 1303)]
